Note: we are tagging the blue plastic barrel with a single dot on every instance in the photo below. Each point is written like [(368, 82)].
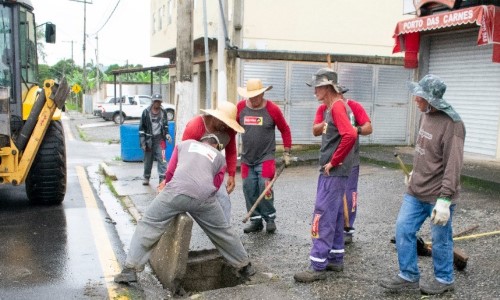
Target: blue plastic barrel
[(130, 143), (170, 146)]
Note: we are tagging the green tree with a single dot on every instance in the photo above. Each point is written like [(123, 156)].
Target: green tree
[(64, 67), (111, 68), (44, 72)]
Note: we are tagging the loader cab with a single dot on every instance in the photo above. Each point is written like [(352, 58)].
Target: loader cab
[(18, 61)]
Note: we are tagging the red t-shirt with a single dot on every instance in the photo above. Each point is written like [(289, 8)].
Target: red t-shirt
[(357, 109), (195, 129)]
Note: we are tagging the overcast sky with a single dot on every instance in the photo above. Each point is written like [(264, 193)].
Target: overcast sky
[(124, 37)]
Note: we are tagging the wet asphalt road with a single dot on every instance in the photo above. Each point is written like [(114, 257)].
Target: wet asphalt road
[(371, 256), (58, 252)]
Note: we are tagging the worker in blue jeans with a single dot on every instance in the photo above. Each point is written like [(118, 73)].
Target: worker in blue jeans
[(432, 190)]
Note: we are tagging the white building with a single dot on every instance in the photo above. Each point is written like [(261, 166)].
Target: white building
[(284, 42)]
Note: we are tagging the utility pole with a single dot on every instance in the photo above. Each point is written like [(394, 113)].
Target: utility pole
[(97, 68), (84, 79), (208, 83), (71, 48), (126, 67), (184, 89), (221, 56)]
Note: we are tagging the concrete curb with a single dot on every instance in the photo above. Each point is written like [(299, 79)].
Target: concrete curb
[(127, 202), (130, 206), (107, 171)]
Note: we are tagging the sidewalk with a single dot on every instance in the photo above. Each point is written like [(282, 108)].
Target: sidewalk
[(128, 183), (476, 171)]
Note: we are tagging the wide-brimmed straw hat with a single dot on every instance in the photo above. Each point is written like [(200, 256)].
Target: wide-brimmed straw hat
[(432, 89), (226, 112), (326, 76), (254, 87)]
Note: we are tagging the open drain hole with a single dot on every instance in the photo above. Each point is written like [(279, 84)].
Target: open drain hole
[(207, 270)]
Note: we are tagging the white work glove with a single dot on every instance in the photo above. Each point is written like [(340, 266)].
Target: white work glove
[(286, 158), (408, 178), (169, 138), (441, 212)]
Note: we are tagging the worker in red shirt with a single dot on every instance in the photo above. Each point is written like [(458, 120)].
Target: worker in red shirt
[(222, 122), (260, 117), (363, 126), (336, 160)]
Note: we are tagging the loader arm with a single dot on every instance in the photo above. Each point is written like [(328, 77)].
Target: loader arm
[(54, 97)]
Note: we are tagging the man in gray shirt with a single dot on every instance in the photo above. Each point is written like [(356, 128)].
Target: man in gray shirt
[(195, 173)]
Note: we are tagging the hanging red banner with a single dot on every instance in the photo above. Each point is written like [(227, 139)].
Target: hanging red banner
[(487, 17)]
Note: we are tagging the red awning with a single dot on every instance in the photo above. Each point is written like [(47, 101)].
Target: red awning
[(407, 33)]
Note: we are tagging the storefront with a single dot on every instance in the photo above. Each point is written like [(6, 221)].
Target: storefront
[(463, 48)]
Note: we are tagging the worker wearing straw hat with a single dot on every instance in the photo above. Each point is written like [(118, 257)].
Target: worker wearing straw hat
[(222, 122), (260, 117)]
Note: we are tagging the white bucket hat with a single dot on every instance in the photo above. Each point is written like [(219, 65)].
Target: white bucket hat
[(254, 87), (226, 112)]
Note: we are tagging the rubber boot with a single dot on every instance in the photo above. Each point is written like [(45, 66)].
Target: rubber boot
[(254, 227)]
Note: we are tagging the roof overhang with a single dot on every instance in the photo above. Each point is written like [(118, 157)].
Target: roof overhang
[(487, 17)]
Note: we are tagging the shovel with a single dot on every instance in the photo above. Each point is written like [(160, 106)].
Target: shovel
[(268, 187)]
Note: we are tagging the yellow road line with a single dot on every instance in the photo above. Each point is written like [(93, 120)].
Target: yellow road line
[(109, 263)]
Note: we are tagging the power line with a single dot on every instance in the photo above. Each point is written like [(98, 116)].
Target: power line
[(110, 15)]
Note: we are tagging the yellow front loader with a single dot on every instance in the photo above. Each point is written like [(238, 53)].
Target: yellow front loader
[(32, 146)]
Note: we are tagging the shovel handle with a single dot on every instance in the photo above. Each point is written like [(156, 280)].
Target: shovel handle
[(401, 164)]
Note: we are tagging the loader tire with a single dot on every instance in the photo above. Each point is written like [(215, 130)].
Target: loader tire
[(46, 180)]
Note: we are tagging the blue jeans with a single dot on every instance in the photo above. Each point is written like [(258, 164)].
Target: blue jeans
[(412, 215), (253, 186)]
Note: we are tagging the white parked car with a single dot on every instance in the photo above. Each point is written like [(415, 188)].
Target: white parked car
[(131, 108), (98, 107)]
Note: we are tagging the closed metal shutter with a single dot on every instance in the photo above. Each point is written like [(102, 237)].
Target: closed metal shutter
[(473, 86), (380, 89), (271, 73), (383, 93), (358, 78), (303, 103)]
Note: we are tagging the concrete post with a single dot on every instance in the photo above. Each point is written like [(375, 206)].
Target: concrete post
[(169, 257), (185, 106)]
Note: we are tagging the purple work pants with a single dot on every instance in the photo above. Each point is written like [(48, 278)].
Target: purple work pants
[(352, 196), (328, 222)]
